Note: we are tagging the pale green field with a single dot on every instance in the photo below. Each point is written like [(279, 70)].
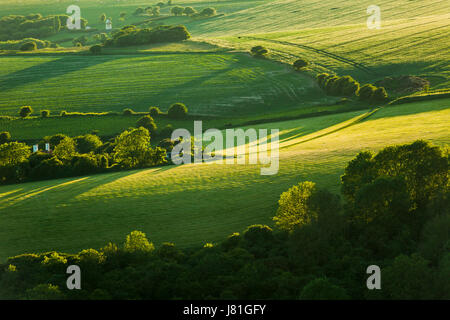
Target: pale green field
[(197, 203)]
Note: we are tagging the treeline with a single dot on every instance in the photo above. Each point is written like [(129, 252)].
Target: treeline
[(132, 35), (16, 27), (88, 154), (346, 86), (395, 215), (22, 44)]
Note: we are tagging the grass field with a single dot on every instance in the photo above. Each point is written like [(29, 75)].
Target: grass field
[(193, 204), (217, 79), (208, 83)]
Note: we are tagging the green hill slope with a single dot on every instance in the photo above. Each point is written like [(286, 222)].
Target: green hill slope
[(193, 204)]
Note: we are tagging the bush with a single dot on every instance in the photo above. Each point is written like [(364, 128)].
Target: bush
[(28, 46), (380, 95), (25, 111), (208, 12), (45, 113), (259, 51), (189, 11), (139, 11), (300, 64), (154, 112), (88, 143), (96, 49), (177, 111), (148, 123), (177, 11), (166, 132), (128, 112), (4, 137), (294, 207), (137, 241), (366, 92)]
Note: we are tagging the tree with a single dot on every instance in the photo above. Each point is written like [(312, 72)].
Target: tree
[(45, 113), (5, 136), (139, 11), (422, 166), (208, 12), (44, 292), (66, 149), (259, 51), (25, 111), (294, 209), (28, 46), (300, 64), (128, 112), (177, 10), (96, 49), (133, 148), (323, 289), (154, 112), (177, 111), (102, 17), (155, 11), (13, 153), (148, 123), (137, 241), (189, 11), (408, 278), (366, 92), (380, 95), (88, 143)]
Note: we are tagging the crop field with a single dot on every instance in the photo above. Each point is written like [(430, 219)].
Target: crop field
[(199, 203)]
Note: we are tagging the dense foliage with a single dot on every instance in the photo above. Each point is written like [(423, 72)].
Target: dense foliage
[(395, 215), (132, 35), (80, 155)]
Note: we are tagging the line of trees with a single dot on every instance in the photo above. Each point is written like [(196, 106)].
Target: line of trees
[(131, 35), (395, 215), (346, 86), (80, 155)]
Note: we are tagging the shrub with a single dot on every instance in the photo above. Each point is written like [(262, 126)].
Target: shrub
[(189, 11), (380, 95), (102, 17), (177, 10), (208, 12), (96, 49), (259, 51), (25, 111), (128, 112), (87, 143), (154, 112), (166, 132), (137, 241), (84, 164), (45, 113), (258, 234), (148, 123), (366, 92), (139, 11), (4, 137), (28, 46), (300, 64), (177, 111), (294, 207)]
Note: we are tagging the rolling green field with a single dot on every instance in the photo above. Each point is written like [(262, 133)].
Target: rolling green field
[(209, 84), (198, 203), (218, 80)]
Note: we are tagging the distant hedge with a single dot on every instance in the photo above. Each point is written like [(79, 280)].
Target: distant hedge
[(131, 35)]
